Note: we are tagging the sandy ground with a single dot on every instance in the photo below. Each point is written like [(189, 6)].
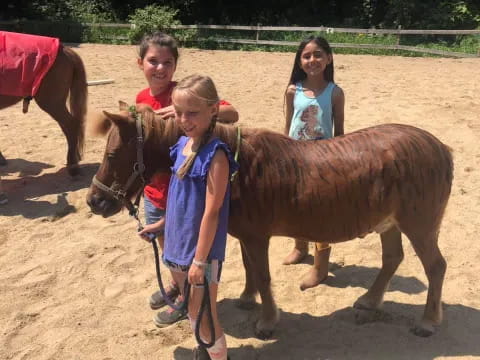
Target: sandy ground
[(74, 285)]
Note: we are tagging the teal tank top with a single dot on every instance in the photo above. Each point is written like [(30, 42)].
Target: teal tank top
[(312, 117)]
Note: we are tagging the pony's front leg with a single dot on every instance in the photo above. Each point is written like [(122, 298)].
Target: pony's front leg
[(256, 249), (247, 298), (70, 128)]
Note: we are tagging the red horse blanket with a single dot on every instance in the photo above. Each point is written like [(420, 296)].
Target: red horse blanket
[(24, 61)]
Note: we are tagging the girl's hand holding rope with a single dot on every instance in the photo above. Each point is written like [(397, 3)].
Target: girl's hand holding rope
[(196, 273), (150, 229)]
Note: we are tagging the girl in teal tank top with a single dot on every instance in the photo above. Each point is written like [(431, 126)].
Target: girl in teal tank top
[(312, 116), (314, 111)]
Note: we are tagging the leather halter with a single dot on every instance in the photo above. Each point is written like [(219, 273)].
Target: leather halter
[(138, 170)]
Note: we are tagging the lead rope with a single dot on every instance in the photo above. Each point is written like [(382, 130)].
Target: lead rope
[(206, 302), (133, 211)]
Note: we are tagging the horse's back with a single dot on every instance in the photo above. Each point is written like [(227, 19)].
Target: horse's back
[(344, 187)]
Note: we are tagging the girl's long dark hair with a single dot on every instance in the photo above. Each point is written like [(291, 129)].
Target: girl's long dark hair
[(297, 73)]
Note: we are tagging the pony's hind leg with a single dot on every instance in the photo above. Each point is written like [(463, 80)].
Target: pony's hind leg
[(6, 101), (69, 126), (256, 249), (247, 298), (51, 97), (392, 256), (435, 266)]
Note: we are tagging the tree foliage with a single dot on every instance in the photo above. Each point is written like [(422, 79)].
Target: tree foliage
[(426, 14), (149, 19)]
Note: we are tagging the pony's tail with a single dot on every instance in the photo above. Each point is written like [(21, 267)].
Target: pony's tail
[(78, 97)]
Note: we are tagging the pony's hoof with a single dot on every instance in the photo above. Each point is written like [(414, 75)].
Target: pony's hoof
[(246, 302), (423, 330), (3, 161), (263, 334), (73, 170), (365, 316), (245, 305), (363, 303), (265, 325)]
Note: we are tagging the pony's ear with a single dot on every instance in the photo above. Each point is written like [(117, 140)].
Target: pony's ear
[(117, 119), (122, 105), (97, 124)]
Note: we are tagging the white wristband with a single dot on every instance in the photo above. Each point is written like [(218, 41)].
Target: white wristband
[(199, 263)]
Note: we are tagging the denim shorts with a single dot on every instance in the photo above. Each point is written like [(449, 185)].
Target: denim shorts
[(152, 213), (213, 270)]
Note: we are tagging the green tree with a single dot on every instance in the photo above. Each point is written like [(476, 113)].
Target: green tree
[(149, 19)]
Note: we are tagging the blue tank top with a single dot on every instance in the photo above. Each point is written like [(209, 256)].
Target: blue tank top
[(312, 117), (186, 205)]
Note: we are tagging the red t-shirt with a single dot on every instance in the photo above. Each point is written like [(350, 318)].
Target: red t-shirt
[(158, 101), (157, 189)]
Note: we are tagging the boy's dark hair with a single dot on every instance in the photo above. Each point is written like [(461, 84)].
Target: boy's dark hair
[(160, 39), (297, 73)]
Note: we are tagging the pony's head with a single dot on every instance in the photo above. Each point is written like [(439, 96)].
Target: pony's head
[(114, 182)]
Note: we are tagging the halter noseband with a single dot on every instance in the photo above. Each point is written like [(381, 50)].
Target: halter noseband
[(138, 170)]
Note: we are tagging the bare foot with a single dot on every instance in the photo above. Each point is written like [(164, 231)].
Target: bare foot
[(313, 278), (295, 257)]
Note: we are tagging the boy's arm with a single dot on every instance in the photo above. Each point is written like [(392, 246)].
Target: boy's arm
[(338, 102)]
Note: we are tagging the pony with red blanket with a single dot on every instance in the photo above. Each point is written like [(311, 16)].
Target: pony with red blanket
[(41, 68)]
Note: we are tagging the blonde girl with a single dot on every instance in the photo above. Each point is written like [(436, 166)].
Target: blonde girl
[(198, 204)]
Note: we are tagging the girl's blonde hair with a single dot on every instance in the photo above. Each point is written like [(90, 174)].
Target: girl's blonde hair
[(203, 88)]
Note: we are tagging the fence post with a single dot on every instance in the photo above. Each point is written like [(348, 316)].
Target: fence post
[(258, 32), (398, 35)]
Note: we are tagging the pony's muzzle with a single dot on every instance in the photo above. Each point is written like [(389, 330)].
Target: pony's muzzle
[(102, 205)]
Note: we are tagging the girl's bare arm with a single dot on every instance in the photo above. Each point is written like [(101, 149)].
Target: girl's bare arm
[(217, 181), (289, 95), (338, 101)]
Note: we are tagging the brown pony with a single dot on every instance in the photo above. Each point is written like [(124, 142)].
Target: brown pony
[(67, 75), (391, 179)]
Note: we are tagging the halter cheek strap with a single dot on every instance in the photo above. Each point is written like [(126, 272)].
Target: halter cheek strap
[(138, 170), (237, 153)]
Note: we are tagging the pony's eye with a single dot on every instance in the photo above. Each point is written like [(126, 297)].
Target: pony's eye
[(111, 156)]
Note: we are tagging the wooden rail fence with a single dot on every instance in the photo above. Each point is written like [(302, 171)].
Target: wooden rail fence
[(258, 29)]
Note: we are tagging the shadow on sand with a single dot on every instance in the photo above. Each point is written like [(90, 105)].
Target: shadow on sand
[(23, 167), (338, 336), (362, 277), (23, 191)]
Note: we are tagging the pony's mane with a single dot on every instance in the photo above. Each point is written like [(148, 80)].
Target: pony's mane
[(161, 131), (168, 130)]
